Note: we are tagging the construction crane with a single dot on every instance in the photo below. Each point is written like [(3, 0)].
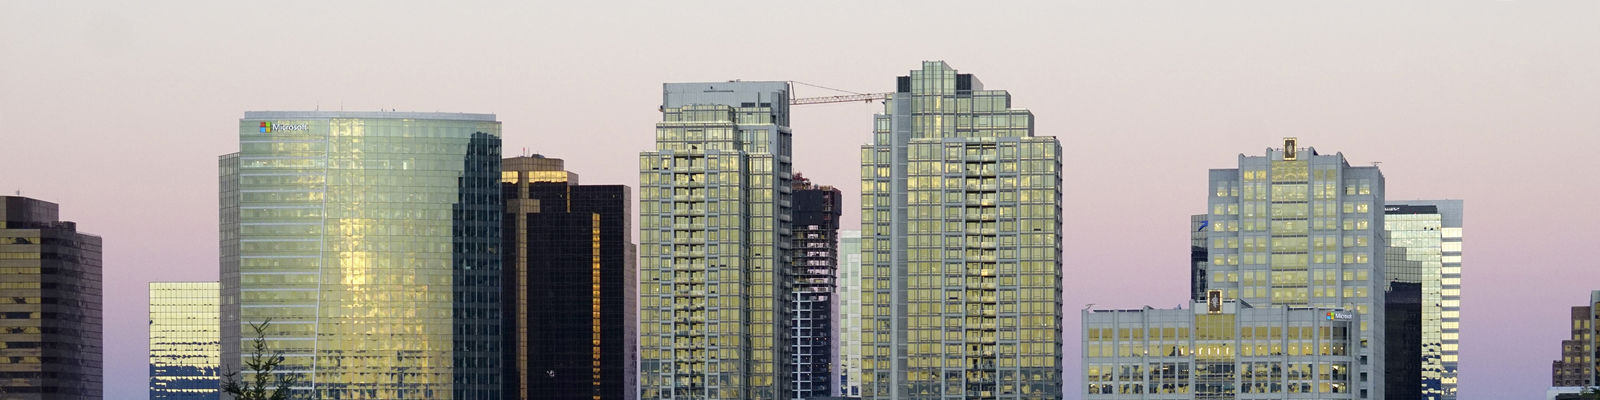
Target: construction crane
[(851, 97), (863, 97)]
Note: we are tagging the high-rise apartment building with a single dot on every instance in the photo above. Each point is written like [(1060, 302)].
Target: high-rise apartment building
[(569, 283), (185, 345), (961, 245), (813, 353), (849, 283), (1580, 355), (51, 273), (370, 241), (1219, 349), (1429, 232), (714, 231), (1303, 229)]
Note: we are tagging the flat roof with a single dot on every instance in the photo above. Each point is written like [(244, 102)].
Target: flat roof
[(368, 115)]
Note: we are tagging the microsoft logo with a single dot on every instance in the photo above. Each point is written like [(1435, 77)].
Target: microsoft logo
[(269, 127)]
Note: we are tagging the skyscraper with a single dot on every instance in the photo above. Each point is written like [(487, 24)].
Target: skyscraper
[(51, 273), (1298, 228), (569, 284), (812, 338), (714, 232), (961, 251), (849, 283), (185, 346), (370, 241), (1429, 232), (1450, 215)]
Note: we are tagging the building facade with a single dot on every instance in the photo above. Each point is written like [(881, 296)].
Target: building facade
[(569, 279), (715, 243), (1302, 229), (1580, 358), (849, 283), (185, 344), (813, 341), (370, 241), (1450, 214), (1197, 257), (961, 245), (1429, 233), (1220, 350), (53, 334)]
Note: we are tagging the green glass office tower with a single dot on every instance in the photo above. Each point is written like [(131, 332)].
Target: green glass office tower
[(714, 233), (184, 341), (961, 246), (51, 344), (370, 242), (1297, 228)]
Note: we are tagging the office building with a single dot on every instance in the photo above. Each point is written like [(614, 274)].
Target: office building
[(1403, 327), (371, 242), (1219, 350), (1449, 214), (1429, 232), (569, 283), (51, 273), (812, 338), (961, 245), (1197, 257), (185, 345), (1297, 228), (849, 283), (1578, 362), (714, 232)]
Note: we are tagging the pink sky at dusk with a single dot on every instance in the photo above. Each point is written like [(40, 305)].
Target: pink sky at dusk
[(117, 111)]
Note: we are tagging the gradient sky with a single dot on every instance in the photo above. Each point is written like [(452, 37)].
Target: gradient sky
[(117, 111)]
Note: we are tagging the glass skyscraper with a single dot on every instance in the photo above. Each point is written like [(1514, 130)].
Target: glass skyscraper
[(370, 241), (1298, 228), (849, 283), (185, 346), (569, 284), (1429, 231), (50, 276), (961, 245), (715, 243)]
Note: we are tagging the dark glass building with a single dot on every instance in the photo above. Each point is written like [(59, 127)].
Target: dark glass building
[(569, 283), (50, 276), (1197, 257), (812, 338)]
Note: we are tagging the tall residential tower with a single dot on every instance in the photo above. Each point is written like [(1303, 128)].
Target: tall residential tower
[(370, 241), (961, 245), (813, 337), (714, 232)]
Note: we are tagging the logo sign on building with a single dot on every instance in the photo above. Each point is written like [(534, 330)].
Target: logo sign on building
[(1214, 302), (269, 126), (1340, 316), (1289, 148)]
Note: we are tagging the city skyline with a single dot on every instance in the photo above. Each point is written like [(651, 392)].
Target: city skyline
[(1486, 102)]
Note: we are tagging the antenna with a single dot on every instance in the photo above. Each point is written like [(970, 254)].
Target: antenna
[(1375, 163)]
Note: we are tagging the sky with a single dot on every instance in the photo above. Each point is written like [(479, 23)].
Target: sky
[(118, 110)]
